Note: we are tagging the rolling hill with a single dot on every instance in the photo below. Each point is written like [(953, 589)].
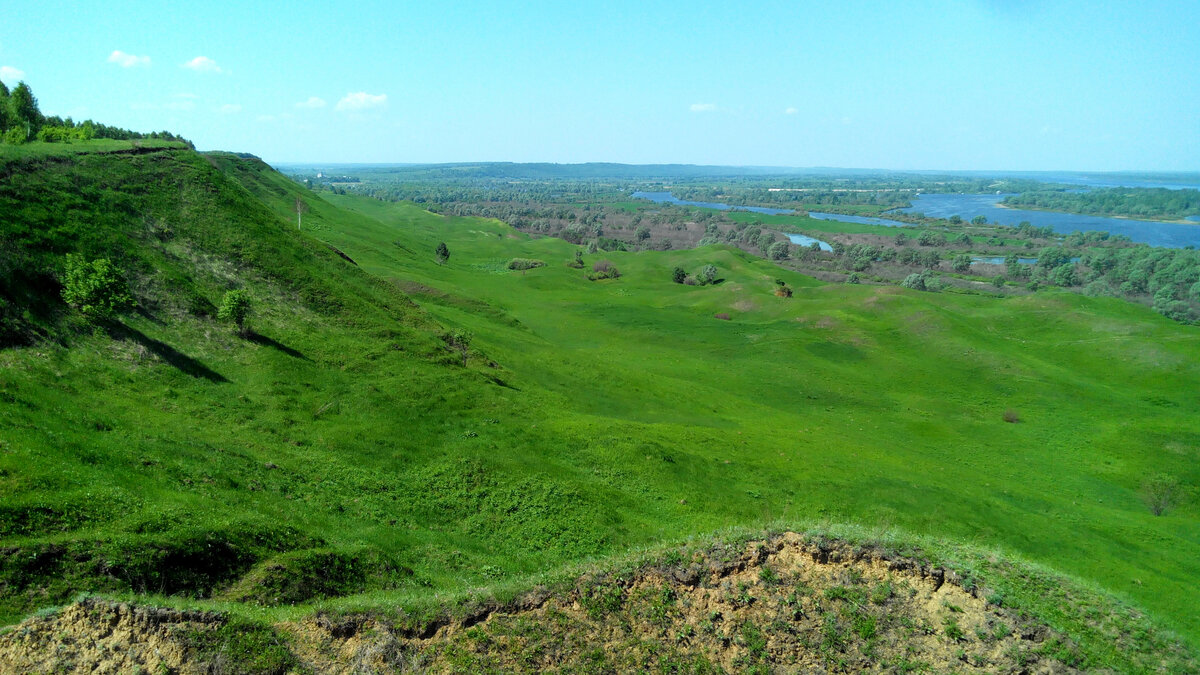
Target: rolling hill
[(356, 452)]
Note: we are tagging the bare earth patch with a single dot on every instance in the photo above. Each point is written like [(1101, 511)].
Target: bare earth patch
[(784, 604)]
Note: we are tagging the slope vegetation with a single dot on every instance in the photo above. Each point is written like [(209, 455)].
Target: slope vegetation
[(350, 452)]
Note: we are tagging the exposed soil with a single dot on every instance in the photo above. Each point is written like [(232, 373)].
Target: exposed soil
[(788, 604), (102, 637)]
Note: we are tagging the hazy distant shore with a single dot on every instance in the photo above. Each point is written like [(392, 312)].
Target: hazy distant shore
[(1178, 221)]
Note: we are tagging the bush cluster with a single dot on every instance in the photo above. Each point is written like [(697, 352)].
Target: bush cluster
[(525, 264), (604, 269)]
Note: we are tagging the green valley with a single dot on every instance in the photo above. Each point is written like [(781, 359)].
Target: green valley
[(393, 432)]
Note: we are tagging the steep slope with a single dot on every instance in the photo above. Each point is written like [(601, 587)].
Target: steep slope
[(162, 453)]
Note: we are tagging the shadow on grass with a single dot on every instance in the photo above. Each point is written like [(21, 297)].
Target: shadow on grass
[(164, 351), (268, 342)]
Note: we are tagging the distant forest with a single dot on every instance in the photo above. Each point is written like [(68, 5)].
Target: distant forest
[(1134, 202)]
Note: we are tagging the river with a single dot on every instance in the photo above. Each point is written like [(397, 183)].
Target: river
[(668, 198), (967, 206)]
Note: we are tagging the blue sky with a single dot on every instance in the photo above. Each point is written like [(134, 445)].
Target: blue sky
[(964, 84)]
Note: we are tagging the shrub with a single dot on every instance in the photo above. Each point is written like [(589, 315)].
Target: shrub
[(524, 264), (1064, 275), (459, 340), (853, 278), (96, 288), (779, 250), (603, 269), (16, 135), (783, 291), (678, 275), (915, 281), (928, 238), (443, 253), (1011, 416), (1159, 493), (577, 263), (998, 282), (235, 307), (722, 316)]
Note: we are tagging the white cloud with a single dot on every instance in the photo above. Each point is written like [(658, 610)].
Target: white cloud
[(127, 60), (265, 118), (203, 64), (10, 73), (361, 101), (703, 107), (791, 111), (180, 104), (312, 102), (230, 108)]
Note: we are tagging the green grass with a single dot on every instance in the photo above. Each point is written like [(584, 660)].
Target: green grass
[(37, 150), (861, 404), (593, 417)]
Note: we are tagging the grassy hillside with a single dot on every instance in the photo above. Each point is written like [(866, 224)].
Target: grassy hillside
[(868, 404), (343, 449)]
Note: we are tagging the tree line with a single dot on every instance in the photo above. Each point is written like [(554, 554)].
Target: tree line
[(22, 121), (1137, 202)]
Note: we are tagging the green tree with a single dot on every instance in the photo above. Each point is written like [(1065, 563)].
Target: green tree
[(95, 287), (998, 282), (642, 233), (4, 108), (708, 274), (929, 238), (979, 220), (901, 239), (1013, 265), (443, 253), (962, 263), (678, 275), (235, 308), (915, 281), (764, 241), (1064, 275), (779, 250), (24, 109)]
